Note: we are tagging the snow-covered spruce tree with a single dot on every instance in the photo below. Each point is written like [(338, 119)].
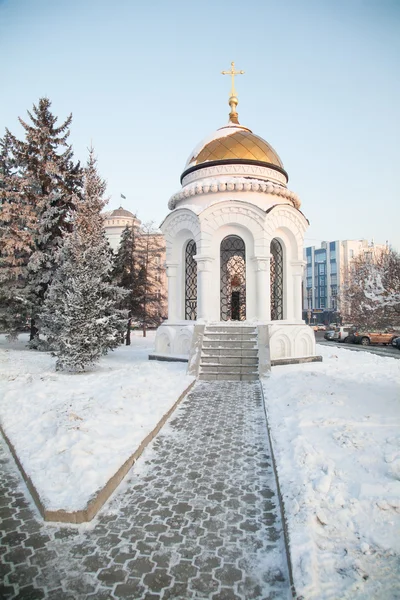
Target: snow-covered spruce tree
[(125, 274), (50, 183), (17, 221), (80, 315)]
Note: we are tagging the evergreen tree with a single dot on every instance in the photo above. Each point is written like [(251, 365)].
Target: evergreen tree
[(17, 220), (150, 247), (50, 183), (125, 274), (80, 314)]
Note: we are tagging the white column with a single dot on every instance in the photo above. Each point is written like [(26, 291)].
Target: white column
[(204, 298), (172, 274), (297, 267), (263, 287)]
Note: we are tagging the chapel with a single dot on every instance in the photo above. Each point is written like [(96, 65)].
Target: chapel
[(234, 247)]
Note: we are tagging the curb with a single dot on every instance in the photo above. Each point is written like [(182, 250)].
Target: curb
[(99, 499), (281, 504)]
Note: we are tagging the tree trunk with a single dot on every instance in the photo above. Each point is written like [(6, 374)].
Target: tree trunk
[(144, 329), (128, 333), (34, 331)]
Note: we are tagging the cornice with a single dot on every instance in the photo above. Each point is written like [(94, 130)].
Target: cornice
[(227, 184)]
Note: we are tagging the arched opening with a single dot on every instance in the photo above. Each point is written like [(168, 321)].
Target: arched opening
[(190, 282), (233, 279), (276, 276)]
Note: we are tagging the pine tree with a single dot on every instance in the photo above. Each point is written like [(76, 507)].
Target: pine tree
[(50, 183), (125, 274), (80, 314), (17, 220)]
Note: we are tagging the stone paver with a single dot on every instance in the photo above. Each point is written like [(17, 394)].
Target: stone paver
[(198, 517)]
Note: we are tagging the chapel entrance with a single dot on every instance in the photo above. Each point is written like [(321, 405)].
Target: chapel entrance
[(233, 279)]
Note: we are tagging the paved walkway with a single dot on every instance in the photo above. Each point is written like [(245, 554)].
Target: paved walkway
[(198, 517)]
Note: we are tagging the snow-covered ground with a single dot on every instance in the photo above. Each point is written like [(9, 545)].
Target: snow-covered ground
[(72, 432), (336, 435)]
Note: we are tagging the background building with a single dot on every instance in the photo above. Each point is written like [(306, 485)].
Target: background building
[(326, 270), (115, 222)]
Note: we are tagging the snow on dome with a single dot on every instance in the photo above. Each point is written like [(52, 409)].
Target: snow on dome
[(120, 212), (233, 142)]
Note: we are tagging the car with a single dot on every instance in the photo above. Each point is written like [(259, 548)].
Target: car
[(367, 337), (328, 335), (321, 327), (396, 343), (344, 334)]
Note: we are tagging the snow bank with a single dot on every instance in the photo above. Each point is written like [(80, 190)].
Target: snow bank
[(72, 432), (336, 436)]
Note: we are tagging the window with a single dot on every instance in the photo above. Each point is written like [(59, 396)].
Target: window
[(309, 282), (321, 269), (333, 268), (309, 271), (276, 276), (351, 253), (190, 282), (333, 279)]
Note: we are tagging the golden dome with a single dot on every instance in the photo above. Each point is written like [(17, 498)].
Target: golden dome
[(232, 144)]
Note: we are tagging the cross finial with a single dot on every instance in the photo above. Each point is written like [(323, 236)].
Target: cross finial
[(233, 101), (232, 73)]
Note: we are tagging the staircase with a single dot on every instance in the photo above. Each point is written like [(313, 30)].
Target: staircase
[(229, 353)]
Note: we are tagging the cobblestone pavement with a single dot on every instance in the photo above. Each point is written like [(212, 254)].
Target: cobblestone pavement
[(197, 518)]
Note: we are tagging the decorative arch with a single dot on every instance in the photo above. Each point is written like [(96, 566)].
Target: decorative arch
[(190, 281), (277, 280), (178, 228), (289, 223), (233, 278)]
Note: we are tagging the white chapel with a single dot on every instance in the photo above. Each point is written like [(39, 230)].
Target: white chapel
[(234, 246)]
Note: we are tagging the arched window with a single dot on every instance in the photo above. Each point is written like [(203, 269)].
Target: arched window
[(233, 279), (190, 282), (276, 281)]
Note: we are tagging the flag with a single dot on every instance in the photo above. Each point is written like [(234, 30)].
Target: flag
[(122, 196)]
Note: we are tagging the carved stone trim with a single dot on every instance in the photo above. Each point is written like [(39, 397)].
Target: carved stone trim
[(224, 184)]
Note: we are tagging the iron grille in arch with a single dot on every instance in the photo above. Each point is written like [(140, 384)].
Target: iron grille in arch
[(276, 281), (190, 282), (233, 279)]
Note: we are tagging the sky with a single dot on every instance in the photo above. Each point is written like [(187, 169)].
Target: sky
[(143, 83)]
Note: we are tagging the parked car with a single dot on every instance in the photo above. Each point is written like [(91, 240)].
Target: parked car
[(345, 334), (368, 337), (321, 327), (396, 343), (329, 334)]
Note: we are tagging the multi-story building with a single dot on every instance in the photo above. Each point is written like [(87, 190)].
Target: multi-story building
[(115, 222), (326, 270)]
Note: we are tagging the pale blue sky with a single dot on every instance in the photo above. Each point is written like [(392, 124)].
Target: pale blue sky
[(143, 83)]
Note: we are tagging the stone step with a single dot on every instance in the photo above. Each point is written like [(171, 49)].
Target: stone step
[(233, 328), (231, 352), (229, 360), (242, 370), (228, 377), (234, 337), (245, 345)]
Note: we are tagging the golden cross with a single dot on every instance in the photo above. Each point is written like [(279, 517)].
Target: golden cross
[(232, 73)]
